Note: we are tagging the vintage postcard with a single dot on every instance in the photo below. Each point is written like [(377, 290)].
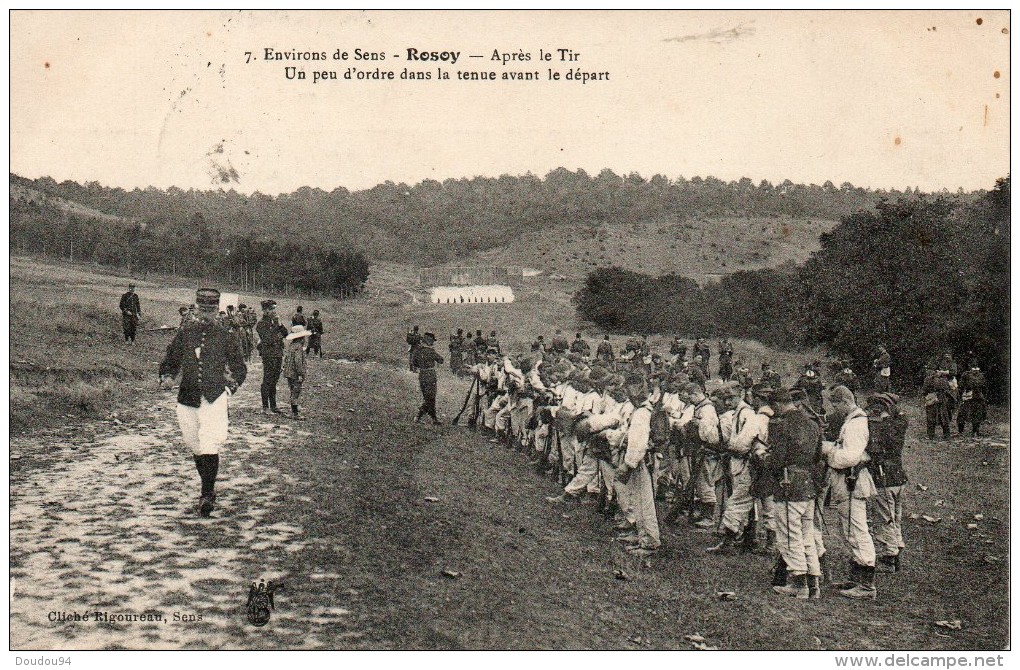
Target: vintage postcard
[(511, 330)]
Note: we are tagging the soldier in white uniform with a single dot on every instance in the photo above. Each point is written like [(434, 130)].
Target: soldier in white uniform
[(635, 472), (849, 487)]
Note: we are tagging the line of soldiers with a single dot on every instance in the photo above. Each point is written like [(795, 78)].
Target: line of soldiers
[(748, 458)]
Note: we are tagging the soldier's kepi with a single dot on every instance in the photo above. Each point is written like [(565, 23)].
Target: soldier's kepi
[(211, 363)]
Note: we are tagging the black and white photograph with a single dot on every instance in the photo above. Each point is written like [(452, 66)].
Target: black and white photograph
[(518, 330)]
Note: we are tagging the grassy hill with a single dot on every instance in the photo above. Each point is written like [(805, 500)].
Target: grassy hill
[(700, 248)]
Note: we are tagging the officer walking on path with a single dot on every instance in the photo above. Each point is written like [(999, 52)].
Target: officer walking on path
[(211, 364)]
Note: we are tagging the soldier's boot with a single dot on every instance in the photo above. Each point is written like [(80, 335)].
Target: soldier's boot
[(976, 432), (729, 546), (769, 545), (779, 572), (208, 466), (797, 587), (888, 563), (750, 539), (960, 428), (855, 578), (825, 569), (865, 588), (814, 583), (706, 520)]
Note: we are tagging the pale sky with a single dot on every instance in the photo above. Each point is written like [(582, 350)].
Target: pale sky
[(879, 99)]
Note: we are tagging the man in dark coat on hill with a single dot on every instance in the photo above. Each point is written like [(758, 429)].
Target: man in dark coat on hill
[(131, 311)]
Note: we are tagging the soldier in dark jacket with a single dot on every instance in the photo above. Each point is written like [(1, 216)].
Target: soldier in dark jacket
[(271, 339), (770, 377), (130, 311), (972, 399), (492, 343), (457, 351), (560, 345), (605, 351), (725, 360), (678, 349), (413, 340), (315, 339), (788, 464), (424, 361), (211, 364), (811, 385), (887, 432), (938, 402), (579, 346), (846, 377), (481, 346)]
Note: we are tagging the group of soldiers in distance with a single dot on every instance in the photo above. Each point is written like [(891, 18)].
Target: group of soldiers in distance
[(738, 454)]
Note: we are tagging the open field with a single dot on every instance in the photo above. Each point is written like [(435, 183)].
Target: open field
[(101, 508)]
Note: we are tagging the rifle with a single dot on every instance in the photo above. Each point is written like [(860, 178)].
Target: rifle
[(685, 492), (456, 419), (477, 409), (161, 329)]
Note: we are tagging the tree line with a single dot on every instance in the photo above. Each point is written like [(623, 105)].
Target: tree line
[(191, 246), (434, 222), (923, 275)]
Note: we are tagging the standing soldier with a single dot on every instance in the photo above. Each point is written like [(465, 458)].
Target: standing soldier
[(456, 351), (846, 377), (883, 370), (745, 427), (972, 397), (424, 360), (769, 377), (678, 350), (481, 346), (605, 352), (704, 429), (471, 357), (634, 472), (131, 311), (560, 346), (413, 341), (696, 371), (811, 384), (271, 338), (299, 318), (702, 349), (493, 344), (725, 360), (579, 346), (212, 368), (788, 461), (937, 402), (315, 338), (887, 432), (849, 486)]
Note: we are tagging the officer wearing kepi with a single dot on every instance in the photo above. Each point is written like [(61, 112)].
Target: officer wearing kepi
[(211, 363)]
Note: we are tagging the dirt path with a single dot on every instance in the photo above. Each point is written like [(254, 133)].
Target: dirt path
[(108, 523)]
